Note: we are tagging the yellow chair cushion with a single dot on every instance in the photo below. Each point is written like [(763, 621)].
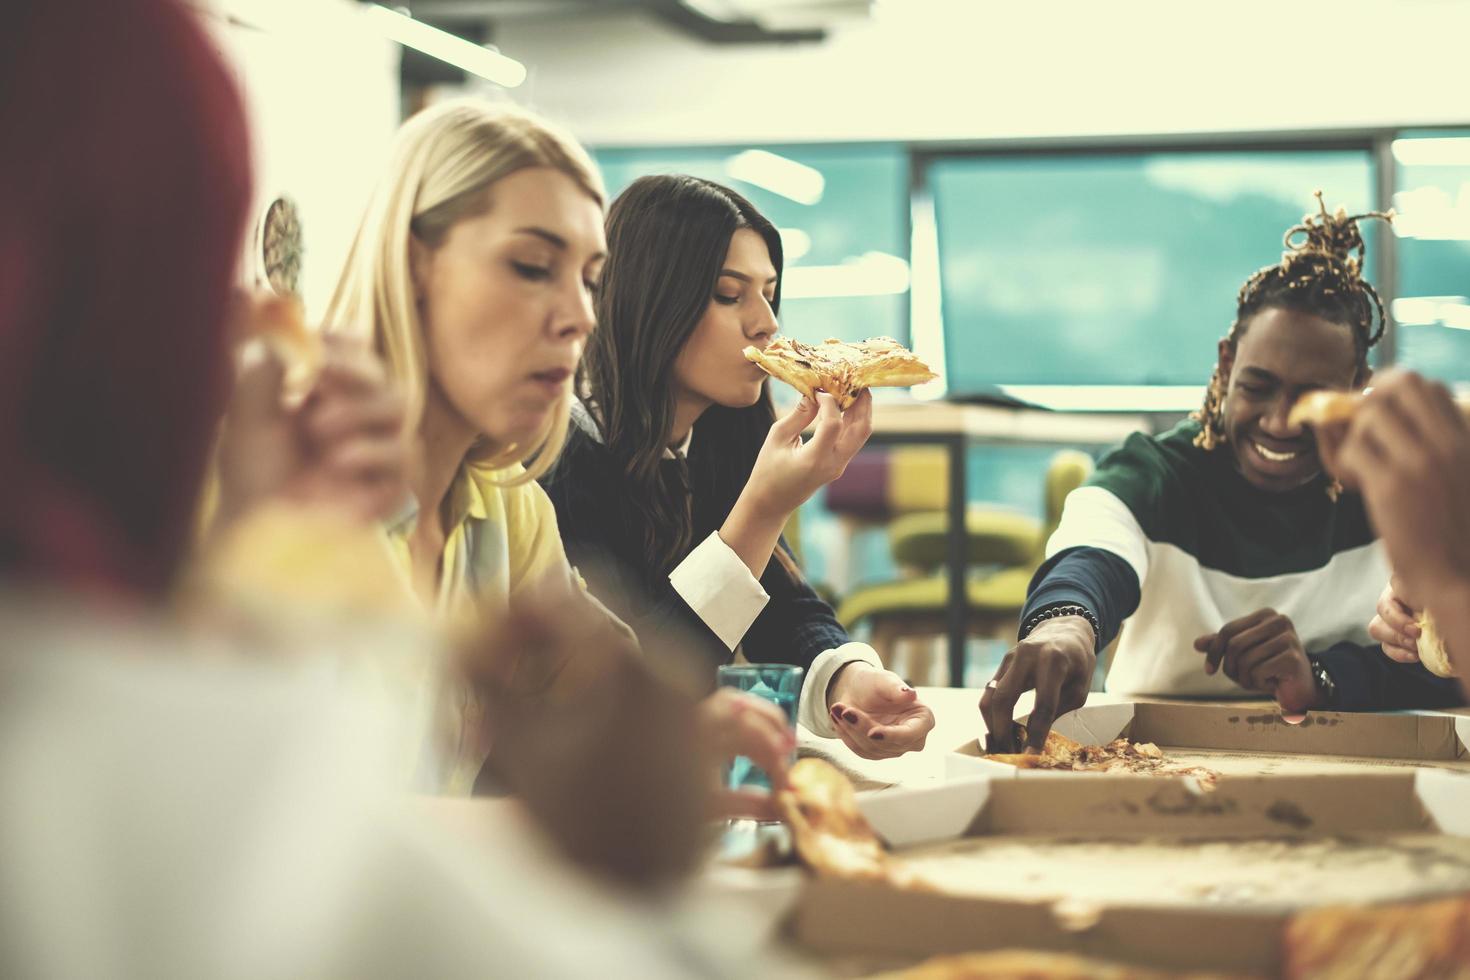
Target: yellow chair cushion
[(1068, 470), (997, 594), (918, 479), (993, 537)]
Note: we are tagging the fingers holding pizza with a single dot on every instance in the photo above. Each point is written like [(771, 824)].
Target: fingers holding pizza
[(1405, 446), (1395, 625), (834, 379), (313, 420)]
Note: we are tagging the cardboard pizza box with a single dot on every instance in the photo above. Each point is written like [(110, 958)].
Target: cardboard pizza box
[(1251, 738), (1139, 869)]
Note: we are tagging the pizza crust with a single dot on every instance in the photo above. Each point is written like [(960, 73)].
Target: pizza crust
[(1432, 653), (279, 323), (830, 834), (1422, 941), (839, 368), (1027, 964), (1324, 408)]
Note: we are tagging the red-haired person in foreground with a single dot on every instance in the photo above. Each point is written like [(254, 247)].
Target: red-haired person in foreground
[(171, 803)]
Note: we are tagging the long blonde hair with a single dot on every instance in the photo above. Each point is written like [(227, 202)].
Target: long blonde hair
[(442, 165)]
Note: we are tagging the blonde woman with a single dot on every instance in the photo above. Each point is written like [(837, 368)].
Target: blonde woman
[(473, 273)]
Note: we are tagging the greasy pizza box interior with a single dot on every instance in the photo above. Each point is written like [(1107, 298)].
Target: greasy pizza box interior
[(1140, 869), (1251, 738)]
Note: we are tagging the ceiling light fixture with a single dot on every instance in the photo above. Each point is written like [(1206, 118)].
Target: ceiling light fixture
[(487, 64), (778, 174)]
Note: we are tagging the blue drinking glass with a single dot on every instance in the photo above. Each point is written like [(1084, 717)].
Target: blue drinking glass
[(779, 684)]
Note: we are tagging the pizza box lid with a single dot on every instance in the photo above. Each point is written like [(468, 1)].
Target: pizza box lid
[(837, 916)]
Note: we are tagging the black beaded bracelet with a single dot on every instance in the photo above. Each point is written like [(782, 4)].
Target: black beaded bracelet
[(1056, 612)]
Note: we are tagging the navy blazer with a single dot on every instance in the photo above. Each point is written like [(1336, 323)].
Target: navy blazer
[(603, 540)]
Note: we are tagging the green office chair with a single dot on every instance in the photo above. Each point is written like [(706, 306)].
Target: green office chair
[(914, 607)]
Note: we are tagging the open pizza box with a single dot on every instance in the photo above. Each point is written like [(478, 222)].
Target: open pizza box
[(1244, 738), (1139, 869)]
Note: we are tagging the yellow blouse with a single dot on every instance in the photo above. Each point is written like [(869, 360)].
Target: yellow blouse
[(501, 539)]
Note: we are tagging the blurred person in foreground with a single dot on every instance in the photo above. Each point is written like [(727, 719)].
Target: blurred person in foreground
[(171, 804), (1407, 450)]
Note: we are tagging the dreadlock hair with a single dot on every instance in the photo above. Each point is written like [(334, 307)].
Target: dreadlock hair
[(1321, 273)]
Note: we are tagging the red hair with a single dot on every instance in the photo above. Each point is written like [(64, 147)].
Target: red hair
[(124, 186)]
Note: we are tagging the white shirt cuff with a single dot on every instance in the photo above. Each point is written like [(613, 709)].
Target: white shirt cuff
[(812, 711), (718, 586)]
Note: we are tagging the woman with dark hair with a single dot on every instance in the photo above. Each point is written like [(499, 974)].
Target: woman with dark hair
[(677, 478), (1239, 564)]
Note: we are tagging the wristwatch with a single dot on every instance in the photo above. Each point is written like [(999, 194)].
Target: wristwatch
[(1326, 686)]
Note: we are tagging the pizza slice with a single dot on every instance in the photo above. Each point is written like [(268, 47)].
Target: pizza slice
[(1120, 755), (1027, 964), (1058, 752), (1432, 654), (1325, 408), (1407, 942), (279, 323), (839, 368), (830, 833)]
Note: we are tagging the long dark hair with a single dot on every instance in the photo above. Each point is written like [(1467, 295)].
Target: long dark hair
[(667, 237)]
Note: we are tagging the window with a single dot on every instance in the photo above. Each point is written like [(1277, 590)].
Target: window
[(1432, 198), (843, 215), (1113, 268)]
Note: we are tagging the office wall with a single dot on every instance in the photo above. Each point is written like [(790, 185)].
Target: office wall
[(967, 69), (322, 94)]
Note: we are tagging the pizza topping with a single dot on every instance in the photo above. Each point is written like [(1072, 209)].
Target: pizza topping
[(1119, 755), (839, 368)]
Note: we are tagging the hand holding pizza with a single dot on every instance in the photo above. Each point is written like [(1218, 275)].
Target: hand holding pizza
[(1395, 625), (1056, 660), (790, 469), (1407, 449), (337, 440)]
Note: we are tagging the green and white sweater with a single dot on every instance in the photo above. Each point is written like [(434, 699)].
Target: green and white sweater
[(1175, 541)]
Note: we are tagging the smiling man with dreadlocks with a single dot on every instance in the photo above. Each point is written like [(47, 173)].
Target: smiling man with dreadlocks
[(1239, 564)]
